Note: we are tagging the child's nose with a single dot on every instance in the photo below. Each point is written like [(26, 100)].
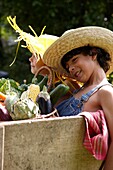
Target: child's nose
[(71, 68), (31, 58)]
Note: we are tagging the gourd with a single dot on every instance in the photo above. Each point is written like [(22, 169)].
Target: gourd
[(25, 109), (9, 102)]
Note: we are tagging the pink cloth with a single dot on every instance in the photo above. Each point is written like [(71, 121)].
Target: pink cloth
[(96, 136)]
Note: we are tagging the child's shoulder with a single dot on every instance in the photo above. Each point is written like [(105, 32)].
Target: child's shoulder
[(106, 90)]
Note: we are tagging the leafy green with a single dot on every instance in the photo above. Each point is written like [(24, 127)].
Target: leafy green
[(9, 86)]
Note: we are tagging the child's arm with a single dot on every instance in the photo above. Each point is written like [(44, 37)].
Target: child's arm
[(106, 101)]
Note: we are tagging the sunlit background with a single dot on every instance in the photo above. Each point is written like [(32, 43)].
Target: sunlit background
[(57, 15)]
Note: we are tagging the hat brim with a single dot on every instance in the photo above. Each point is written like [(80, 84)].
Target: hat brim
[(74, 38)]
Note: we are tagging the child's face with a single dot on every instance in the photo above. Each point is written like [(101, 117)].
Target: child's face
[(35, 63), (81, 67)]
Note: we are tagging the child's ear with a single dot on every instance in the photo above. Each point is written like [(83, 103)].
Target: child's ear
[(94, 57)]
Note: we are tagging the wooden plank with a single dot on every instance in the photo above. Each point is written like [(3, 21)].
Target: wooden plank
[(48, 144), (1, 146)]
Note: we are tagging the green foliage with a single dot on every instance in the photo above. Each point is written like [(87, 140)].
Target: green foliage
[(110, 77), (58, 16)]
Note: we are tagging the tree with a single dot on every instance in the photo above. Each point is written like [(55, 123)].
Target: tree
[(58, 16)]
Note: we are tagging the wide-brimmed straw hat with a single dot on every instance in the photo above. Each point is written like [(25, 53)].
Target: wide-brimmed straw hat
[(35, 44), (75, 38)]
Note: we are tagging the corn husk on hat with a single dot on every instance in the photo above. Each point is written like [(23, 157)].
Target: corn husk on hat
[(35, 44), (75, 38)]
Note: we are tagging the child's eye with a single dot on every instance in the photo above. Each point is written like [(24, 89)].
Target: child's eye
[(74, 59), (67, 67), (37, 56)]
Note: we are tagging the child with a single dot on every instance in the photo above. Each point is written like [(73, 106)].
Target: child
[(85, 54), (37, 45)]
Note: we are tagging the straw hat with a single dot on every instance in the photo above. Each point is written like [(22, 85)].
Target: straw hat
[(74, 38), (35, 44)]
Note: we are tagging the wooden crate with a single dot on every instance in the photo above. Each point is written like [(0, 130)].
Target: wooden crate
[(45, 144)]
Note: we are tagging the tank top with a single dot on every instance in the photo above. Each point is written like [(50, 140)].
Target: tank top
[(73, 106)]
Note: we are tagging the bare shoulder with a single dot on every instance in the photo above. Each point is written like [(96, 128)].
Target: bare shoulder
[(105, 94), (107, 88)]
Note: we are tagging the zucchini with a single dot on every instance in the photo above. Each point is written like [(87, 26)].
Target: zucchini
[(58, 92)]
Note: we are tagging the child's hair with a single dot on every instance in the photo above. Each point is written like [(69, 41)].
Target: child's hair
[(103, 57)]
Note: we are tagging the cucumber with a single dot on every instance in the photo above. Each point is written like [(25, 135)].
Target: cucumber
[(58, 92)]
